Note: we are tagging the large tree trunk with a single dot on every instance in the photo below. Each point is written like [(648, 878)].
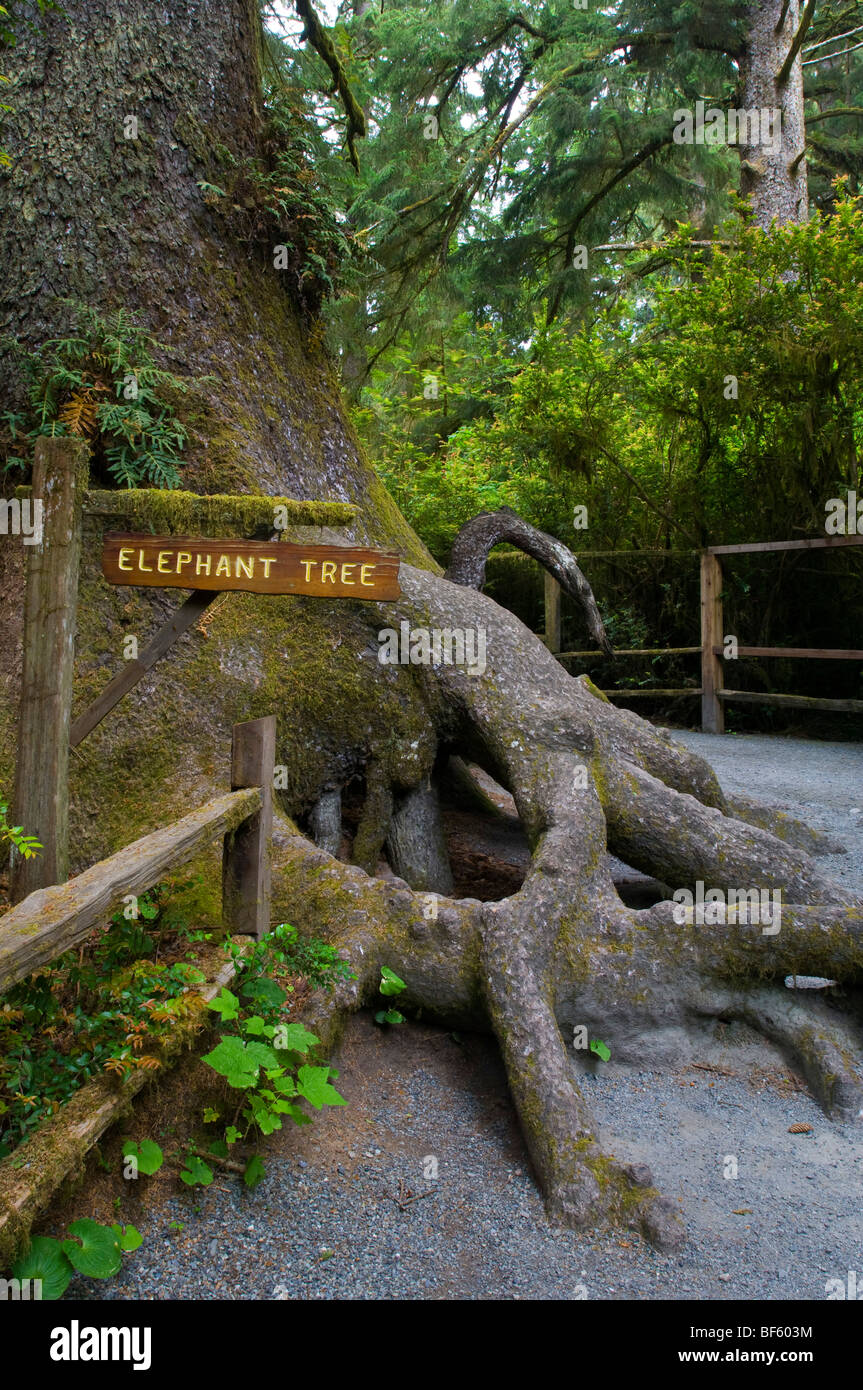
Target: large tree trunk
[(774, 175), (117, 222), (113, 223)]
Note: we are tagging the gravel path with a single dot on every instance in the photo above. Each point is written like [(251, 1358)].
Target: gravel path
[(325, 1222), (820, 783)]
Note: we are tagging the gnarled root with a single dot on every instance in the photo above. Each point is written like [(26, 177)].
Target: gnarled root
[(564, 952)]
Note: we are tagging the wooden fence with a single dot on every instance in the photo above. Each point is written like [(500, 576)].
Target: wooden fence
[(713, 690), (51, 920), (46, 732)]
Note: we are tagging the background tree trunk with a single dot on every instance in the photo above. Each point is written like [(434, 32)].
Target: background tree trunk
[(772, 177)]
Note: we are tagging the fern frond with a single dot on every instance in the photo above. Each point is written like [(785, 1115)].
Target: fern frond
[(79, 415)]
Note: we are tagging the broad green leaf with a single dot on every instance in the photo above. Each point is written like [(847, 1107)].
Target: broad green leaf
[(599, 1047), (263, 1054), (255, 1026), (313, 1084), (98, 1254), (189, 974), (255, 1171), (232, 1134), (263, 991), (231, 1060), (147, 1154), (128, 1238), (210, 1114), (226, 1004), (293, 1037), (197, 1172), (390, 982), (45, 1260)]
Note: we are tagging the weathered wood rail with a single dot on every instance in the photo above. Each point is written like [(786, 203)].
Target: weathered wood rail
[(51, 920), (713, 690)]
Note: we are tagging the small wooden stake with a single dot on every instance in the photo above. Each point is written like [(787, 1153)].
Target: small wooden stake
[(712, 711), (552, 613), (246, 857), (41, 802)]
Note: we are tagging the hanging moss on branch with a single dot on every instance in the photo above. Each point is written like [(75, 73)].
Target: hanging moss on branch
[(317, 36)]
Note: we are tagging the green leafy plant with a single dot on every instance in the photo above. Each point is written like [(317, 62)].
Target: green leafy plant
[(390, 985), (101, 382), (267, 1061), (280, 199), (89, 1248), (91, 1013), (25, 845), (196, 1171), (147, 1155), (284, 952), (600, 1049), (260, 1055)]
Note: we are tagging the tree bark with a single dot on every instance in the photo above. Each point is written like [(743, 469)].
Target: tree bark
[(772, 176), (116, 222)]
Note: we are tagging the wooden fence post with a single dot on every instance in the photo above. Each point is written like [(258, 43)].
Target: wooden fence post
[(712, 710), (41, 798), (552, 612), (246, 855)]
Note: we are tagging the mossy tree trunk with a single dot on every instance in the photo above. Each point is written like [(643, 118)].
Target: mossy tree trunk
[(91, 213), (114, 222)]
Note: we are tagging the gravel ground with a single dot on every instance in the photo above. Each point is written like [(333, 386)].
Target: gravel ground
[(820, 783), (325, 1223)]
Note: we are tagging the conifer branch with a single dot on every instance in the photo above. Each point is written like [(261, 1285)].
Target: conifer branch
[(797, 43), (323, 45)]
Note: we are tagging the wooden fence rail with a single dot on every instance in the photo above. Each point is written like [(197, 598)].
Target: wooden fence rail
[(713, 690), (51, 920)]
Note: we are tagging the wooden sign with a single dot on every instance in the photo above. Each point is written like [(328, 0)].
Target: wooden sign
[(259, 567)]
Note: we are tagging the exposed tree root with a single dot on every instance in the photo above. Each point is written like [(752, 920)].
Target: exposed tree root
[(564, 951)]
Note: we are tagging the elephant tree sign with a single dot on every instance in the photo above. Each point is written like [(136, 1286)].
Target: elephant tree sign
[(184, 562)]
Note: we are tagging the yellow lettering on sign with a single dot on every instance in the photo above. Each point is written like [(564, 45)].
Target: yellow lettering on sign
[(145, 569), (166, 556), (124, 550), (206, 560), (183, 557), (328, 571), (246, 566), (223, 565), (307, 565), (266, 561), (369, 583), (345, 579)]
